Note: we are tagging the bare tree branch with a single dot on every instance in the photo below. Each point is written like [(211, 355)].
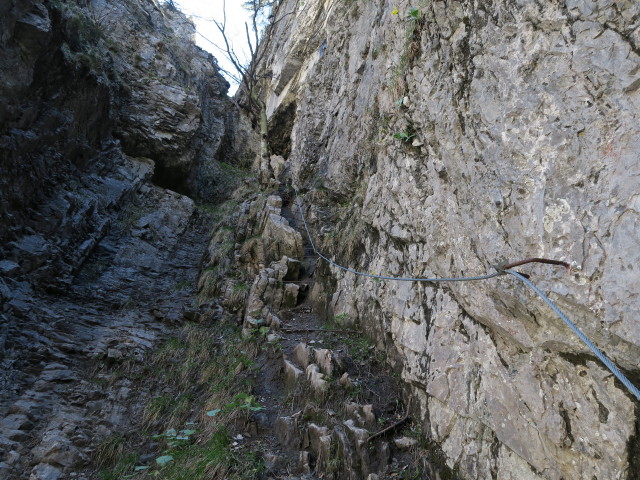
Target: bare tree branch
[(246, 29), (248, 73)]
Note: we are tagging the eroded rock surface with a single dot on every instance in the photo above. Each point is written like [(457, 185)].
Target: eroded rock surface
[(100, 103), (56, 406), (427, 140), (454, 135)]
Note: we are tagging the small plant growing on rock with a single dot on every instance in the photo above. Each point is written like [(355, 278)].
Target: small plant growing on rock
[(242, 402), (414, 14), (240, 287), (342, 318), (175, 440), (404, 136)]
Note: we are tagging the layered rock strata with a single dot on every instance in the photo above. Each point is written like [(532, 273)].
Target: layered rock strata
[(87, 91), (107, 109)]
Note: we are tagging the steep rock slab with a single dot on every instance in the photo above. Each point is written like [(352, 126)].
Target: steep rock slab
[(96, 261), (85, 89), (55, 406)]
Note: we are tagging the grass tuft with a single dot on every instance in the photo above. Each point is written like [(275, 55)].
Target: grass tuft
[(203, 369)]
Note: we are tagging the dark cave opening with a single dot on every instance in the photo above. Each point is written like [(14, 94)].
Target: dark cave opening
[(171, 178), (279, 130)]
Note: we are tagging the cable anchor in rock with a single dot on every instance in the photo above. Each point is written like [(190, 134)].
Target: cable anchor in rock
[(501, 267)]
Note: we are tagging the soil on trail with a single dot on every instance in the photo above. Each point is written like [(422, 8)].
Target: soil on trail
[(370, 382), (332, 405)]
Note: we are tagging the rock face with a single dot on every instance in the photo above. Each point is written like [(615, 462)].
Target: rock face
[(54, 413), (94, 99), (454, 135), (88, 94), (109, 113)]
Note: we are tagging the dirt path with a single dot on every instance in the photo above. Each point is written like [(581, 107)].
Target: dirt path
[(327, 393)]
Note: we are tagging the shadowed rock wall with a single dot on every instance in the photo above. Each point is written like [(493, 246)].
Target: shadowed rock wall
[(84, 90), (449, 136), (109, 117)]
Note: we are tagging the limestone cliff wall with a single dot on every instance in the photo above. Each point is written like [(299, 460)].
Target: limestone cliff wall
[(441, 139)]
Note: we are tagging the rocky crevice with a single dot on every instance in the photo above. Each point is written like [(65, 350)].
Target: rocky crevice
[(331, 405), (431, 142)]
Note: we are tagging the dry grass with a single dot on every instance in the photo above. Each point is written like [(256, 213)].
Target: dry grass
[(202, 369), (109, 451), (205, 369)]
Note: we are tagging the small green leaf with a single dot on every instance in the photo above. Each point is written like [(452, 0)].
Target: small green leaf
[(139, 468), (163, 460), (213, 413), (187, 432), (171, 432), (404, 136), (240, 397)]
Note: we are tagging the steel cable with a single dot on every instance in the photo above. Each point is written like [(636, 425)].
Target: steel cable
[(608, 363), (384, 277), (500, 271)]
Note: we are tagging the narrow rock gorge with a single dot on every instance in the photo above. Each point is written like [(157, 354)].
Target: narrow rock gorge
[(165, 312)]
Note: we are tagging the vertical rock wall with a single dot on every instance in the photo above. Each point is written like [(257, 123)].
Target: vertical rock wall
[(441, 139)]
